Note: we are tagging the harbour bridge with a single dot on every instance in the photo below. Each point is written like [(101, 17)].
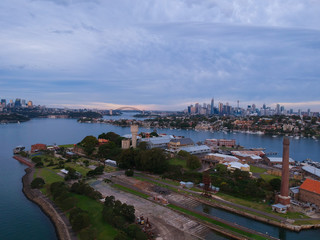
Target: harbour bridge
[(125, 108)]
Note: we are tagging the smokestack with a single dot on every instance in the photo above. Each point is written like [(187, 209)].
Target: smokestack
[(284, 198), (285, 168)]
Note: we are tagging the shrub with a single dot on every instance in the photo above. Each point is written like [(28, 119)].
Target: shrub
[(129, 172), (37, 183)]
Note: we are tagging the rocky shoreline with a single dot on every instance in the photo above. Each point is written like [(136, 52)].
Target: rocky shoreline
[(59, 220)]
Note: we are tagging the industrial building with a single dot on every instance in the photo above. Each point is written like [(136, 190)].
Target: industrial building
[(196, 149), (310, 192)]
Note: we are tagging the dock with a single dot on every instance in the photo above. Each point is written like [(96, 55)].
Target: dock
[(24, 160)]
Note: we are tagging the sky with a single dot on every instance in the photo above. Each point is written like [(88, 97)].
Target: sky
[(160, 54)]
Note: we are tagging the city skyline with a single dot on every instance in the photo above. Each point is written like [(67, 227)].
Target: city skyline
[(160, 55)]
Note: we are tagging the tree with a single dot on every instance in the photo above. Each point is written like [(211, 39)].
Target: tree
[(143, 145), (86, 163), (67, 203), (121, 236), (154, 134), (79, 219), (275, 183), (37, 183), (109, 150), (128, 159), (113, 137), (183, 153), (89, 143), (61, 164), (36, 159), (72, 174), (39, 164), (193, 162), (97, 171), (129, 172), (109, 201), (154, 160)]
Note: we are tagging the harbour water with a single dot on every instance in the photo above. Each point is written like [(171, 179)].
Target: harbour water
[(21, 219)]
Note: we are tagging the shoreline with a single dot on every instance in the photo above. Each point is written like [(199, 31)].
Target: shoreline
[(61, 224)]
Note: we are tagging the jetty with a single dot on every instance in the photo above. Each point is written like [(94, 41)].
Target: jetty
[(24, 160)]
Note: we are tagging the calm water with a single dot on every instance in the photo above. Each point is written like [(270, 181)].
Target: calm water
[(21, 219)]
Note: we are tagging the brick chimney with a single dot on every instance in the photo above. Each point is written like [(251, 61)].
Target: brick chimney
[(284, 198)]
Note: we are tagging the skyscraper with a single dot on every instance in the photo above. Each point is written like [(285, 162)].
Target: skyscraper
[(220, 108), (212, 107), (3, 102), (278, 109), (17, 103)]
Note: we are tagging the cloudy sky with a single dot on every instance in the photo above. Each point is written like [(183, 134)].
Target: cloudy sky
[(160, 54)]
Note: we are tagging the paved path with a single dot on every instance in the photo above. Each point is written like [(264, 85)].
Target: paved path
[(170, 224)]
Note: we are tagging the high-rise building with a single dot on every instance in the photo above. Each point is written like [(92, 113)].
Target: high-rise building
[(278, 109), (197, 106), (17, 103), (3, 103), (30, 104), (220, 108), (212, 107)]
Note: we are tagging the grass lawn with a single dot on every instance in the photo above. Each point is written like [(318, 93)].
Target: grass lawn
[(259, 206), (129, 190), (215, 222), (168, 181), (67, 145), (78, 168), (255, 169), (47, 175), (268, 177), (177, 161), (104, 230)]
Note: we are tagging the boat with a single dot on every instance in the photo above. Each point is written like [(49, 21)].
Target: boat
[(274, 136), (297, 137)]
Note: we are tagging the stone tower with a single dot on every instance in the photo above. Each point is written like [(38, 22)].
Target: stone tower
[(284, 198), (134, 132)]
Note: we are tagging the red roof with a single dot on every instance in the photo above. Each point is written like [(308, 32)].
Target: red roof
[(311, 186)]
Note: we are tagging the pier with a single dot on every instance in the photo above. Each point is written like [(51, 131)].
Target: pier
[(24, 160)]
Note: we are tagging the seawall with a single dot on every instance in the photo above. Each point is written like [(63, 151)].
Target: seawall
[(60, 222)]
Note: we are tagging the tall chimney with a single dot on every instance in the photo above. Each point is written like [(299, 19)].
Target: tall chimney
[(284, 198)]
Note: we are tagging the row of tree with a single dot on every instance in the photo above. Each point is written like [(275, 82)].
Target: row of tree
[(152, 160), (121, 216)]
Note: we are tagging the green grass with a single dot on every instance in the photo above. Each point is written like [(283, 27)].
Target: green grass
[(129, 190), (48, 176), (177, 161), (264, 207), (81, 169), (255, 169), (168, 181), (268, 177), (215, 222), (67, 145), (104, 230)]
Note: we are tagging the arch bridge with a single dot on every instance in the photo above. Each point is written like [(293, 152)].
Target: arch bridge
[(128, 108), (125, 108)]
